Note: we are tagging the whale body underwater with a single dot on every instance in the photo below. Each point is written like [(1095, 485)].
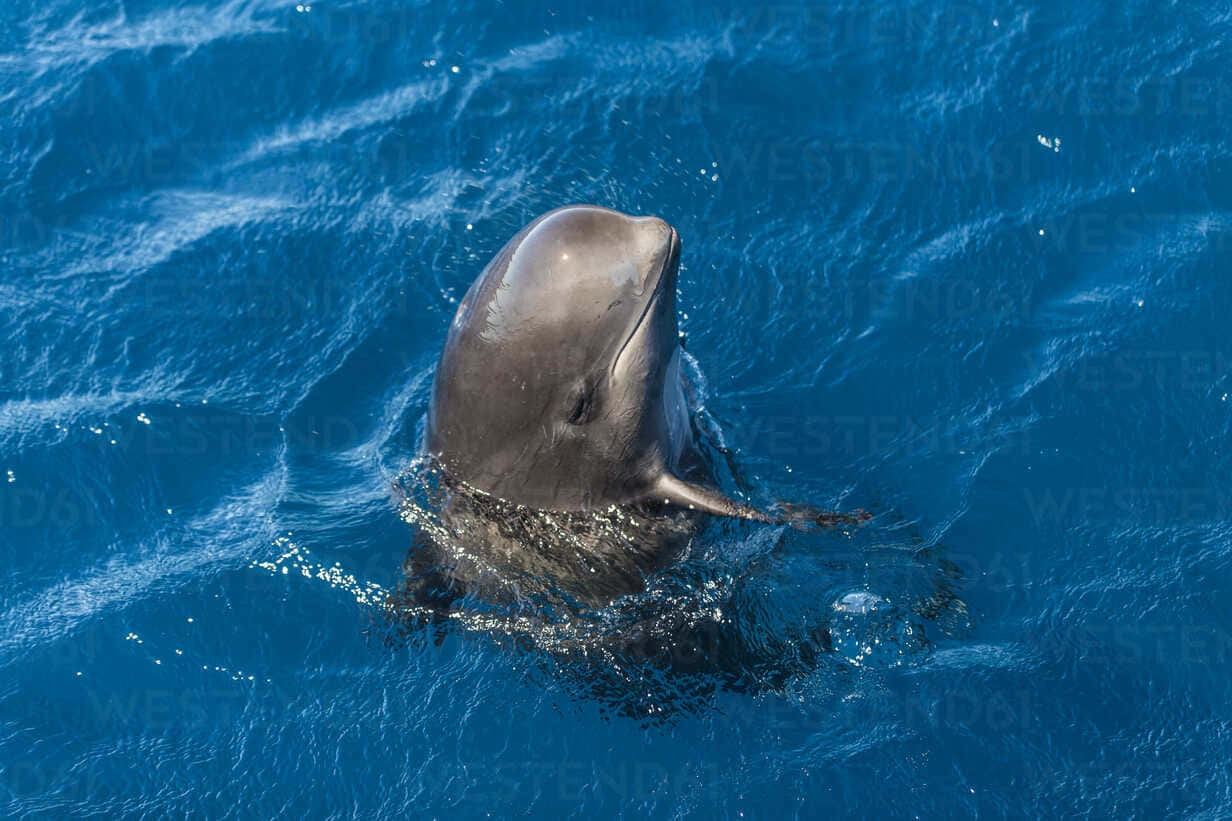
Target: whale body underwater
[(559, 425)]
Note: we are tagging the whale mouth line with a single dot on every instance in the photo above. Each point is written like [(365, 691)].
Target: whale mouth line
[(672, 259)]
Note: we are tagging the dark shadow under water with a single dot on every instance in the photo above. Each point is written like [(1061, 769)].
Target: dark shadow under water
[(652, 611)]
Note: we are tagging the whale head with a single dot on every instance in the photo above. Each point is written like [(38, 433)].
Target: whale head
[(559, 384)]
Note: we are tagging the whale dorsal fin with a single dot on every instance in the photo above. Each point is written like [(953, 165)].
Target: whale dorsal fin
[(674, 490)]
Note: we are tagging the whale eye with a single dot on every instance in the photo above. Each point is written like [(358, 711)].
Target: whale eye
[(583, 405)]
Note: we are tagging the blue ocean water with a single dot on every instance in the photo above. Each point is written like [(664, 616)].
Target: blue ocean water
[(963, 266)]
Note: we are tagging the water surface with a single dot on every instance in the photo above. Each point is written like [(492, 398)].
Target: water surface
[(964, 267)]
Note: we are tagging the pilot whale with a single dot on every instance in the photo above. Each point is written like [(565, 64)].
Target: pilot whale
[(559, 430), (561, 479)]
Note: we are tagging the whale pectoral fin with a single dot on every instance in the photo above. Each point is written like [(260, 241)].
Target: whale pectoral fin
[(676, 491), (802, 516)]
